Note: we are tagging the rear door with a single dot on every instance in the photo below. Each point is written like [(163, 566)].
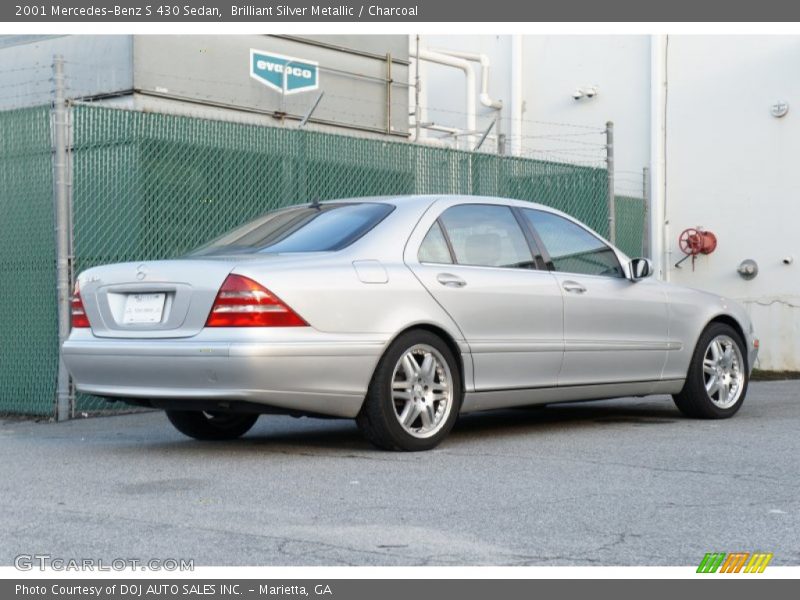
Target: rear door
[(479, 264), (615, 330)]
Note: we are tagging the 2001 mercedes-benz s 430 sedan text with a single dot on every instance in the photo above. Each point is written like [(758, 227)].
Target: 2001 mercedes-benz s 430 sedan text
[(400, 312)]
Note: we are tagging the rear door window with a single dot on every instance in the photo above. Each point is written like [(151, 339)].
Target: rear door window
[(486, 235), (434, 247)]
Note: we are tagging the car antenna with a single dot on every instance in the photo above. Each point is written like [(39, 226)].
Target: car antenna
[(315, 203)]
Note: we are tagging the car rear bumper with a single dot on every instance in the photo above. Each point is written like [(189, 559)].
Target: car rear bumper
[(317, 373)]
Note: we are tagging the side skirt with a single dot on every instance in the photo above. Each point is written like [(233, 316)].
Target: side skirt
[(492, 399)]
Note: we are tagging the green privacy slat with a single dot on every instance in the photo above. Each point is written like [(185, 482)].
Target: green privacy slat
[(631, 214), (28, 330)]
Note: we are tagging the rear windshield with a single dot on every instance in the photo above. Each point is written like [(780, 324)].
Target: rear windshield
[(321, 228)]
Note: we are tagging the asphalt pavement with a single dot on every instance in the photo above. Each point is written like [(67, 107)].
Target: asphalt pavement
[(621, 482)]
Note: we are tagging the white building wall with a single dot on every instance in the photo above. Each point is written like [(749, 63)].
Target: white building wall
[(733, 168)]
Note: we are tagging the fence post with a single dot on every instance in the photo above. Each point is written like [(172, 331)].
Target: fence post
[(612, 201), (62, 226), (646, 197), (501, 137), (389, 83)]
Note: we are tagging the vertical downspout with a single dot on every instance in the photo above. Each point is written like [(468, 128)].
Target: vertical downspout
[(515, 145), (659, 226), (484, 97)]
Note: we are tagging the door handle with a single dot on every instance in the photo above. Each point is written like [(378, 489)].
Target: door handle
[(573, 287), (450, 280)]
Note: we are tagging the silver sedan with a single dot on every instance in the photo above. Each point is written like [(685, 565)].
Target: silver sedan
[(400, 312)]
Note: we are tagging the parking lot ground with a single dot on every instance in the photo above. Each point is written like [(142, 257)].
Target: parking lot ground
[(620, 482)]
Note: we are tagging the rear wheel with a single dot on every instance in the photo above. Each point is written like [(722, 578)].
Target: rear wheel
[(415, 394), (203, 425), (718, 375)]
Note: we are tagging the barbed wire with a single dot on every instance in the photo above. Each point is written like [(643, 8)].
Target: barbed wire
[(27, 95), (568, 143), (29, 82), (586, 129), (49, 69)]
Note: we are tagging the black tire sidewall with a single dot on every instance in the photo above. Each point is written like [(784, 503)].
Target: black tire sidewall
[(380, 405), (197, 425), (695, 389)]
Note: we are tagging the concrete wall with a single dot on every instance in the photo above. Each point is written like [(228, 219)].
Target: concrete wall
[(733, 168), (95, 64)]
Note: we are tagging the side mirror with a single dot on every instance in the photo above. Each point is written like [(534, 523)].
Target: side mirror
[(640, 268)]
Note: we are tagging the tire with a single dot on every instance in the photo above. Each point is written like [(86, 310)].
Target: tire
[(211, 425), (412, 406), (700, 398)]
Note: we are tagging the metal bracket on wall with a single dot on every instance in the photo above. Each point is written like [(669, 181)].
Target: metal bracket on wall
[(485, 135), (311, 110)]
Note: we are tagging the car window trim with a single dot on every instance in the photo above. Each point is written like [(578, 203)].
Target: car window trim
[(528, 226), (453, 253), (534, 242), (551, 266), (446, 237)]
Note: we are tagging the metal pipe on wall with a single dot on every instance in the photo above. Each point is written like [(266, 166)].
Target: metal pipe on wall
[(469, 74), (484, 97), (486, 64)]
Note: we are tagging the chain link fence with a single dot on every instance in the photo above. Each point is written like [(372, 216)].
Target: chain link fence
[(630, 225), (28, 322), (149, 186)]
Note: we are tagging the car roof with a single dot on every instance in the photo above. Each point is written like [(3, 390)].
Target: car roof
[(423, 201), (427, 199)]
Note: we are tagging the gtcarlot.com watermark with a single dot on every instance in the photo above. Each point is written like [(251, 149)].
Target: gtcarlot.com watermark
[(46, 562)]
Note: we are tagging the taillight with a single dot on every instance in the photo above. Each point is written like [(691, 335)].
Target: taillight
[(241, 302), (79, 318)]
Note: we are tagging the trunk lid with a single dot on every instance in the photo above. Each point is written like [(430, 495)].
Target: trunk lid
[(153, 299)]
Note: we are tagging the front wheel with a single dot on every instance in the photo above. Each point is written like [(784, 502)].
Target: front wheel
[(415, 394), (203, 425), (718, 375)]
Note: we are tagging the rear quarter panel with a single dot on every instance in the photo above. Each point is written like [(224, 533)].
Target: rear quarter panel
[(332, 298), (328, 291)]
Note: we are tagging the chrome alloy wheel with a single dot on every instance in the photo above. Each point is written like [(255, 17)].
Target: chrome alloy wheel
[(422, 391), (723, 371)]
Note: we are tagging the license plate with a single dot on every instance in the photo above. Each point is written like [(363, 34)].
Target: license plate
[(143, 308)]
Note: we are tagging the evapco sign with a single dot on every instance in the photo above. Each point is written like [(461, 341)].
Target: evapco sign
[(284, 74)]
